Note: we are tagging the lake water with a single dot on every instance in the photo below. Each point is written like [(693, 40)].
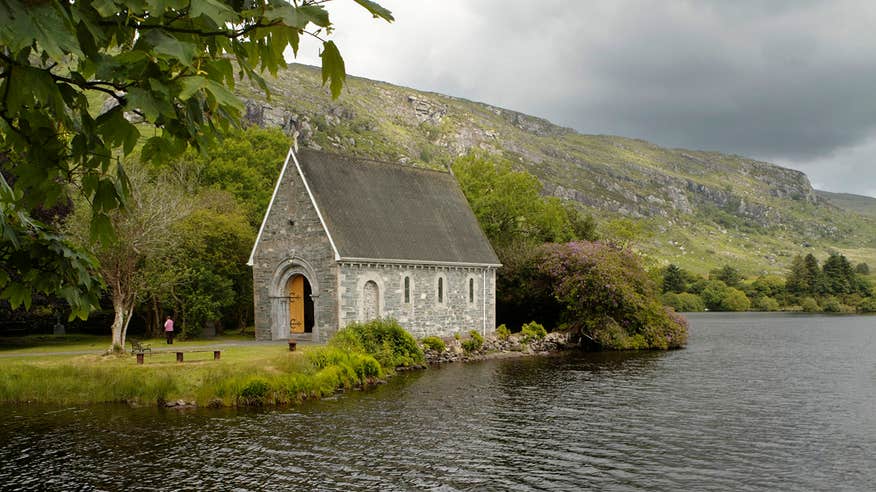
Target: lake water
[(756, 402)]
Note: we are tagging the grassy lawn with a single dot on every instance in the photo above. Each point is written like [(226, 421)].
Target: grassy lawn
[(245, 375), (80, 343)]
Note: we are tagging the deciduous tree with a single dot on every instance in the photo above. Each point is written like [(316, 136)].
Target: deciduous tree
[(170, 63), (142, 231)]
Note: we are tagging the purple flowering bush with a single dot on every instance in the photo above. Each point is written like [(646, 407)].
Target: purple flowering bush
[(607, 297)]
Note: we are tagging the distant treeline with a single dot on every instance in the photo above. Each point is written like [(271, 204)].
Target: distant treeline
[(835, 286)]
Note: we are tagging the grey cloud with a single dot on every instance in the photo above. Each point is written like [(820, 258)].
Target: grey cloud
[(789, 81)]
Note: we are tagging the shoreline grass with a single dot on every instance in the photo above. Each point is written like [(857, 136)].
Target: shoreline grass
[(247, 375), (250, 375)]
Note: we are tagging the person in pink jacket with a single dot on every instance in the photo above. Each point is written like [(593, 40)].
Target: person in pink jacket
[(168, 330)]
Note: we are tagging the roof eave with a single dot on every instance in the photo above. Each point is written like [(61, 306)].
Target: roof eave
[(464, 264)]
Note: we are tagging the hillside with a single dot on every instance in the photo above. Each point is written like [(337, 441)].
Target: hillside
[(697, 209), (863, 205)]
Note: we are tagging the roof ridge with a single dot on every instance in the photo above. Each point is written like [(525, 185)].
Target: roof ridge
[(376, 161)]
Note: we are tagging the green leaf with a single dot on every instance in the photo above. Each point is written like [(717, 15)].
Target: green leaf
[(122, 185), (106, 8), (105, 197), (102, 229), (214, 10), (152, 149), (316, 14), (118, 131), (299, 17), (143, 100), (52, 30), (27, 84), (159, 6), (166, 44), (223, 96), (17, 294), (333, 68), (376, 10), (191, 85)]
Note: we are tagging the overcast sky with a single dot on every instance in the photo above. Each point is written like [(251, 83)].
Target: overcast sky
[(790, 82)]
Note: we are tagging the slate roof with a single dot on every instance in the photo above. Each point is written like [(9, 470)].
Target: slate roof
[(383, 211)]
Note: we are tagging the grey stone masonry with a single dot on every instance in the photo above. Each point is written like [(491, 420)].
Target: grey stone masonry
[(431, 268), (462, 305), (293, 242)]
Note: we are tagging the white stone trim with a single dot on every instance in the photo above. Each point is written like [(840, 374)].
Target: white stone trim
[(484, 297), (268, 211), (315, 206)]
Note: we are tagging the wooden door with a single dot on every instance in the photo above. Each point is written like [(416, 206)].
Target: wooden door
[(296, 304)]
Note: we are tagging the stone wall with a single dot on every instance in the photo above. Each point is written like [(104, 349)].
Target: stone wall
[(423, 315), (293, 242)]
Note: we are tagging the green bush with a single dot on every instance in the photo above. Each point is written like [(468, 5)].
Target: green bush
[(474, 343), (607, 298), (384, 339), (254, 392), (735, 300), (717, 296), (809, 305), (765, 303), (684, 302), (360, 365), (868, 305), (502, 332), (532, 331), (434, 344), (831, 304)]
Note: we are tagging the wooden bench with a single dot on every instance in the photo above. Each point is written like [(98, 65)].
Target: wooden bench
[(216, 353), (139, 349)]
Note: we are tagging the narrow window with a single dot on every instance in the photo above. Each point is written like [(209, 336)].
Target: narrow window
[(407, 290), (471, 290), (440, 289)]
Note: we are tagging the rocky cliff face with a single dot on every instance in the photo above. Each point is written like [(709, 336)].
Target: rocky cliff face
[(610, 176)]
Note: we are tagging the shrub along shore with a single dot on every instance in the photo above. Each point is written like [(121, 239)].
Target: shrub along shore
[(358, 356)]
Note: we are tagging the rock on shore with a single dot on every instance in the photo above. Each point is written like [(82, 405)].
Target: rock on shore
[(494, 347)]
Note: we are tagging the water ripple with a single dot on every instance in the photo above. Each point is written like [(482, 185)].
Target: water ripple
[(757, 402)]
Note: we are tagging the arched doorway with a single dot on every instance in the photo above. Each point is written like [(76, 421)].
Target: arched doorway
[(300, 305), (371, 301)]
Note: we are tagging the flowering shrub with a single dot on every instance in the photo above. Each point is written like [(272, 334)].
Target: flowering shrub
[(607, 297)]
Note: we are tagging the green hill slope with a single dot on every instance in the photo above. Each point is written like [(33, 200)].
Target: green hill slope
[(696, 209), (863, 205)]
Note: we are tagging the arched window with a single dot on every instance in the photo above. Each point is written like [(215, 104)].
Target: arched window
[(470, 290), (440, 289), (407, 290), (371, 299)]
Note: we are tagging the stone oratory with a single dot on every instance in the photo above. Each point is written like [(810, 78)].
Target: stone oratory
[(350, 240)]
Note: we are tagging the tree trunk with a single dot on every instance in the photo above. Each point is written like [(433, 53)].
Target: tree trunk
[(123, 306), (156, 312)]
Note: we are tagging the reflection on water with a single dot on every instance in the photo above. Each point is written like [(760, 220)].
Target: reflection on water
[(756, 402)]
